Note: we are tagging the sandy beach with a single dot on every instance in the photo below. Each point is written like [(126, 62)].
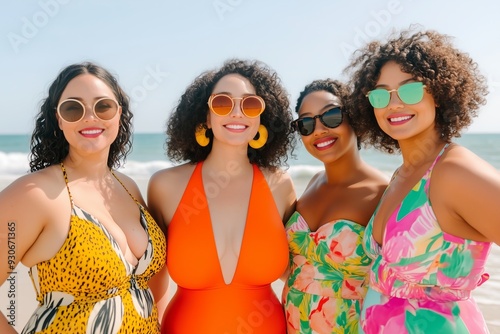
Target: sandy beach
[(23, 297)]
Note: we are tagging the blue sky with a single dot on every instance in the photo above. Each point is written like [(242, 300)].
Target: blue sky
[(156, 48)]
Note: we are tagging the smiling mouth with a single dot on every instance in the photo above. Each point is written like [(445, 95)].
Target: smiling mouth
[(325, 143), (235, 127), (91, 132), (399, 119)]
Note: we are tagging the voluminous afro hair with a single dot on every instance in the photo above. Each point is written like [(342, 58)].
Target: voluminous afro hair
[(48, 144), (450, 76), (192, 109)]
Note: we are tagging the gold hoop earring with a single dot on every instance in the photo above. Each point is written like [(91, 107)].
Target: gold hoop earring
[(258, 143), (200, 135)]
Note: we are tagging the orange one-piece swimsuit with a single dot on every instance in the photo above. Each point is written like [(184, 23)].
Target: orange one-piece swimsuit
[(203, 302)]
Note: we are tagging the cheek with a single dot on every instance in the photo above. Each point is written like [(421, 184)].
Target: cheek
[(255, 127), (379, 115), (307, 141)]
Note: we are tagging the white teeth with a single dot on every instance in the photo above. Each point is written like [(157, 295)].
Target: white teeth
[(325, 143), (399, 119), (91, 132), (235, 126)]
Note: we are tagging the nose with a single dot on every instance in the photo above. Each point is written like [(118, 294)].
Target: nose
[(319, 128), (88, 112), (237, 112), (394, 100)]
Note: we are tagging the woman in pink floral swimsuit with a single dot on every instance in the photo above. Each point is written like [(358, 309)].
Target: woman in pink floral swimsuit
[(431, 233)]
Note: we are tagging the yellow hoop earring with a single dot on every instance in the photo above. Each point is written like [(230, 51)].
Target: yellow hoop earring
[(201, 137), (258, 143)]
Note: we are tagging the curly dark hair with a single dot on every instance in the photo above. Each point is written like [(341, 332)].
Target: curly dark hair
[(48, 144), (450, 76), (335, 87), (192, 109)]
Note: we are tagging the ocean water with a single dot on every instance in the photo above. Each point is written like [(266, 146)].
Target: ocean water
[(148, 155)]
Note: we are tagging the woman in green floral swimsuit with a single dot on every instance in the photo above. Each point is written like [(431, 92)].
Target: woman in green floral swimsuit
[(326, 285)]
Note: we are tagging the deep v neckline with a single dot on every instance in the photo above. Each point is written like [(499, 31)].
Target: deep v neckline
[(211, 228), (112, 240), (398, 206)]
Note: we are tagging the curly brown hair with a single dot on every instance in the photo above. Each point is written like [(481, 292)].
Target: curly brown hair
[(450, 76), (334, 87), (192, 109), (48, 144)]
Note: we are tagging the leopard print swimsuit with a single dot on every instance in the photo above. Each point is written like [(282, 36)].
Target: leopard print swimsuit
[(89, 286)]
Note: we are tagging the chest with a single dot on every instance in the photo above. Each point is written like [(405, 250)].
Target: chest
[(250, 230), (402, 200)]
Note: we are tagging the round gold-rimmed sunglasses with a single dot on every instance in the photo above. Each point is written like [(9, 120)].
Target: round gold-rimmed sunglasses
[(251, 106), (72, 110)]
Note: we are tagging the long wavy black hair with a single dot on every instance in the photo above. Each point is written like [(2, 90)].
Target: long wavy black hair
[(48, 144), (192, 110), (450, 76)]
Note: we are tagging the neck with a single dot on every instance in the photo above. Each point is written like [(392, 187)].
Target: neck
[(420, 151), (232, 160), (89, 169), (345, 169)]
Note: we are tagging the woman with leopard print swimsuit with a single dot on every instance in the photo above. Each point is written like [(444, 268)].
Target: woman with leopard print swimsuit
[(87, 237)]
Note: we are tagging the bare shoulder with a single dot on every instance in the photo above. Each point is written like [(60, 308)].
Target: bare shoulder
[(474, 185), (165, 190), (376, 176), (33, 203), (278, 179), (283, 190), (35, 187), (376, 180), (464, 174), (131, 185), (172, 177), (460, 163)]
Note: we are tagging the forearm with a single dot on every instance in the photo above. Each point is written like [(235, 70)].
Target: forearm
[(5, 327)]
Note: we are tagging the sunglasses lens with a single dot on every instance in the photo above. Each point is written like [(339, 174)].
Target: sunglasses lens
[(252, 106), (221, 105), (411, 93), (71, 111), (106, 109), (379, 98), (306, 125), (332, 118)]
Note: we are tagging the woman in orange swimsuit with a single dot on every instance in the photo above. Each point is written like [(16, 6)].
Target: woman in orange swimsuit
[(223, 210), (81, 227)]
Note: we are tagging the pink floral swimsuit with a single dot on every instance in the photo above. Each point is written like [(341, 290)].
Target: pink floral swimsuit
[(421, 279)]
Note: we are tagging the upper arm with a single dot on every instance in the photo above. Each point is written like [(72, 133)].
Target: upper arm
[(22, 216), (472, 191)]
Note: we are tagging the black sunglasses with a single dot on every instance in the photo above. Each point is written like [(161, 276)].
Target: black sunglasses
[(331, 119)]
